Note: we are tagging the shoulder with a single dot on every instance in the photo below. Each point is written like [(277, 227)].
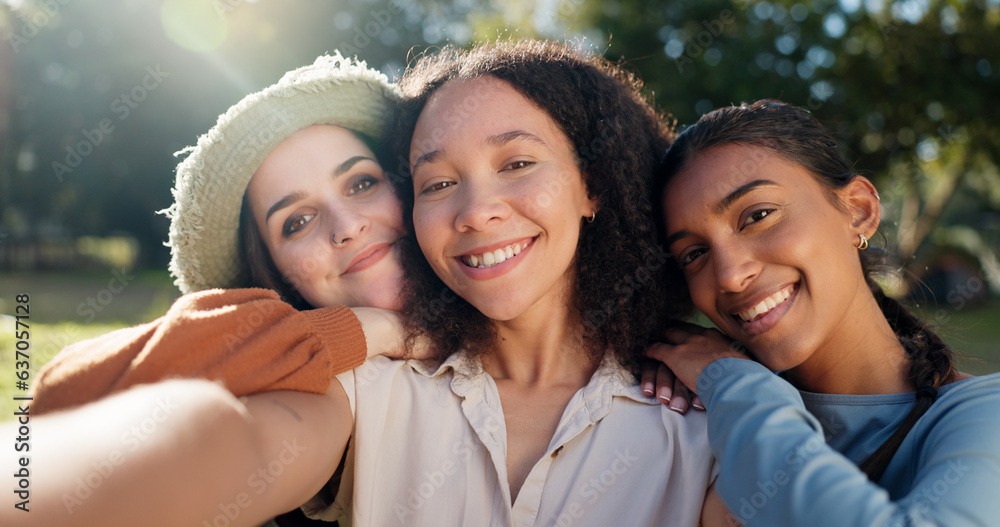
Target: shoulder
[(966, 412)]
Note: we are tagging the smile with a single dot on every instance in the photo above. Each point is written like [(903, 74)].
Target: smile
[(368, 257), (766, 305), (496, 257)]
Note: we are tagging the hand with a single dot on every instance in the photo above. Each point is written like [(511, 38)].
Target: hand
[(668, 389), (688, 349), (384, 334)]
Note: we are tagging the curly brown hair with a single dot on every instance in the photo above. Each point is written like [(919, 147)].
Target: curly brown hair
[(617, 137)]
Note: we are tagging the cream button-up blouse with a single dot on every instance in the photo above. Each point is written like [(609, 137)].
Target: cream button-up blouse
[(429, 448)]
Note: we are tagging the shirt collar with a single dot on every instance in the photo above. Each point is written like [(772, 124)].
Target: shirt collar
[(610, 380)]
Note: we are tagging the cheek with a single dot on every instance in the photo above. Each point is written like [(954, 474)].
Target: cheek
[(701, 290), (390, 212), (298, 262), (430, 225)]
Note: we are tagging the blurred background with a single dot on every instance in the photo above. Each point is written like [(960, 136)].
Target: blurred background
[(96, 96)]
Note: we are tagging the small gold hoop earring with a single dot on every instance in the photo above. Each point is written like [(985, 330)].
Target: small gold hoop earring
[(863, 244), (593, 216)]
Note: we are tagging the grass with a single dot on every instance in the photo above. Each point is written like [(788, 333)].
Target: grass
[(69, 307), (61, 315)]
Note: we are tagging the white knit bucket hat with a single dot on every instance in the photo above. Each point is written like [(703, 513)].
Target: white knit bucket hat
[(211, 181)]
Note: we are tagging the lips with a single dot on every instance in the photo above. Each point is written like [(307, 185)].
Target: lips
[(368, 257)]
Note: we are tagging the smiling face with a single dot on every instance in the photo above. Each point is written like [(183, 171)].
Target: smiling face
[(323, 183), (767, 255), (499, 198)]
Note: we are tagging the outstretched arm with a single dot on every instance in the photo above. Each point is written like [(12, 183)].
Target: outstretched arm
[(180, 453)]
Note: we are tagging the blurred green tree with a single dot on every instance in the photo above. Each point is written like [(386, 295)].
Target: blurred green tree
[(907, 85)]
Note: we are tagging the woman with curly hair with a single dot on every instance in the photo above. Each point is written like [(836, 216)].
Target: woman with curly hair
[(530, 170)]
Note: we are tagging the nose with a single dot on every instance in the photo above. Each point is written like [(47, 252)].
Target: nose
[(347, 223), (735, 267), (480, 204)]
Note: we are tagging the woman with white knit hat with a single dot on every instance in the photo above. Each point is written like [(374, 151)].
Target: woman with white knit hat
[(282, 217), (284, 199)]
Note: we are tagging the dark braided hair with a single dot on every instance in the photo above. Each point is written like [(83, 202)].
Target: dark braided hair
[(795, 135), (617, 139)]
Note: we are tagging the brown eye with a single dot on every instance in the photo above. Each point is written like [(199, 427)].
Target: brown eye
[(439, 186), (295, 223), (362, 184), (690, 256), (517, 165), (757, 215)]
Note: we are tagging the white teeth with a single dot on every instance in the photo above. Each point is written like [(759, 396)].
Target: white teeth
[(492, 258), (765, 305)]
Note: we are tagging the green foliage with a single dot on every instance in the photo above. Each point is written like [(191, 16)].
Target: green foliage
[(908, 88)]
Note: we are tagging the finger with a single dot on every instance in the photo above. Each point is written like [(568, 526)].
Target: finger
[(697, 404), (658, 351), (681, 399), (665, 381), (648, 377), (679, 334)]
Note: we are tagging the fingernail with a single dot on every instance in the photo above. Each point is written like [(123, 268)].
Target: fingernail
[(647, 388), (696, 402), (665, 394), (678, 404)]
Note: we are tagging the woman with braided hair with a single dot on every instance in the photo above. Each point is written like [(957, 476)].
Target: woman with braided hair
[(868, 422)]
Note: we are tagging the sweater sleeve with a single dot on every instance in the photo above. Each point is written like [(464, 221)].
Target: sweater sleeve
[(248, 339), (776, 468)]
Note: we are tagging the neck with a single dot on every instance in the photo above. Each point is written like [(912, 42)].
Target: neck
[(865, 358), (541, 349)]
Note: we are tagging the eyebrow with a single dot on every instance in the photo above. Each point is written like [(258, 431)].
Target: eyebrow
[(506, 137), (724, 204), (346, 165), (338, 171), (727, 201), (493, 140), (282, 203)]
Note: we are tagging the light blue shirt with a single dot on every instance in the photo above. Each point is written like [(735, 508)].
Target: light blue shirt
[(790, 457)]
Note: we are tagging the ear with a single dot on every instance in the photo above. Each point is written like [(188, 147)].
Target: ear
[(591, 204), (862, 201)]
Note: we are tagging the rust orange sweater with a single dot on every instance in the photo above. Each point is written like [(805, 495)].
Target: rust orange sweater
[(249, 339)]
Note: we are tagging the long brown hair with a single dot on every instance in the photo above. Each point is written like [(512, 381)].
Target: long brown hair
[(795, 135)]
